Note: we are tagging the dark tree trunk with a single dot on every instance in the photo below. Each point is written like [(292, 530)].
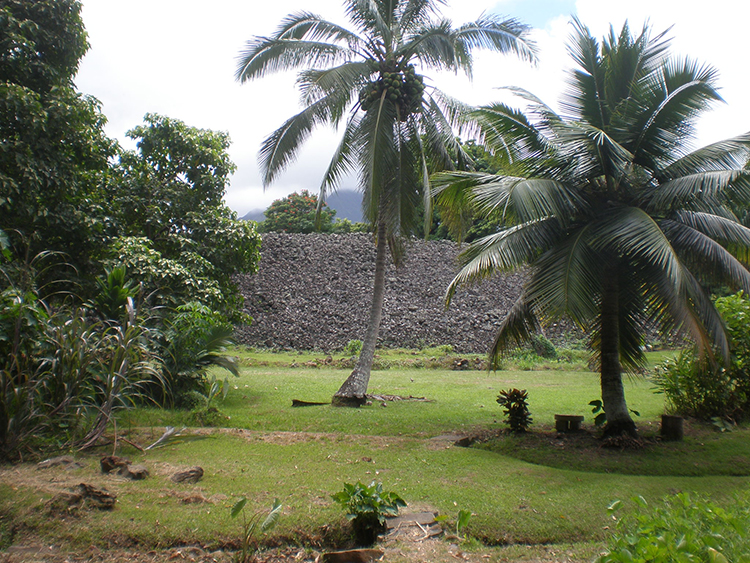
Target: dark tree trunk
[(613, 393), (352, 392)]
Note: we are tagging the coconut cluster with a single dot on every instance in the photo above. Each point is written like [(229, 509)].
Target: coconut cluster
[(402, 87)]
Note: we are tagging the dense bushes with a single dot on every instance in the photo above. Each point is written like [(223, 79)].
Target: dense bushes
[(66, 368), (64, 372), (697, 385), (685, 528)]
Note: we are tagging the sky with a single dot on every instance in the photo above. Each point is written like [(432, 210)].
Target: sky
[(178, 58)]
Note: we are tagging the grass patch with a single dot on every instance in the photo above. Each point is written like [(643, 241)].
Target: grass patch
[(522, 490)]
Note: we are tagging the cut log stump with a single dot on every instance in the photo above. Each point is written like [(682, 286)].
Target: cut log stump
[(671, 428), (568, 423)]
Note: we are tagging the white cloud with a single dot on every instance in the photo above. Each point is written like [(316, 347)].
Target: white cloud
[(178, 58)]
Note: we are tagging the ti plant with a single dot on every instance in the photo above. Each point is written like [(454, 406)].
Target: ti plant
[(516, 409), (253, 526), (367, 508)]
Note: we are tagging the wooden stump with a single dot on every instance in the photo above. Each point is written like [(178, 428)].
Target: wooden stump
[(568, 423), (671, 428)]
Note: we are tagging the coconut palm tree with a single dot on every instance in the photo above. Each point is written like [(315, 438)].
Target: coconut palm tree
[(394, 122), (618, 222)]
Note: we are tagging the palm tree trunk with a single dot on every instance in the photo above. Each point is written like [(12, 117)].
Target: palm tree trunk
[(613, 393), (352, 392)]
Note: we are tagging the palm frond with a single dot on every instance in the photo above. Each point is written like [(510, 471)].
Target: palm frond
[(367, 16), (506, 130), (497, 34), (632, 233), (344, 159), (311, 27), (282, 146), (504, 251), (706, 254), (518, 327), (264, 55), (377, 155), (315, 84), (709, 187), (729, 154), (669, 107), (566, 280)]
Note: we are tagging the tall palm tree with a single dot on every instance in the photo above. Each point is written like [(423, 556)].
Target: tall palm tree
[(392, 120), (618, 222)]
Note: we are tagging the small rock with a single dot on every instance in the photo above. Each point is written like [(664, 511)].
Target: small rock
[(133, 472), (60, 460), (192, 475), (111, 462), (195, 499), (98, 498)]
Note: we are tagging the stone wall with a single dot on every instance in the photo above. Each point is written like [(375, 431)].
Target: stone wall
[(313, 293)]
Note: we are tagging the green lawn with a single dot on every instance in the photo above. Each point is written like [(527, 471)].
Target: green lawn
[(531, 489)]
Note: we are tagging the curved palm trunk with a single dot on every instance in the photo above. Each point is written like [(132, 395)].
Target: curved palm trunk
[(352, 392), (613, 393)]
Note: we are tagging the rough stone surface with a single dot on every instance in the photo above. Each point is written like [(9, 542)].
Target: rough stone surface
[(133, 472), (313, 292), (192, 475)]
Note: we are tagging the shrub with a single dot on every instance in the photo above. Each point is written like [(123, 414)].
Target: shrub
[(63, 374), (543, 347), (516, 409), (685, 528), (353, 348), (195, 339), (694, 385)]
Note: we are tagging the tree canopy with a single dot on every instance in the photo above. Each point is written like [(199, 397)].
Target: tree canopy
[(620, 224), (367, 78), (298, 213)]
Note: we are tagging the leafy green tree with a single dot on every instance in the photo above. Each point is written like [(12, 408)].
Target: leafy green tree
[(174, 232), (53, 153), (393, 118), (298, 213), (618, 223)]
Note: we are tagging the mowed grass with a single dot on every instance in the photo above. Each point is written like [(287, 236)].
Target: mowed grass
[(303, 455), (456, 401)]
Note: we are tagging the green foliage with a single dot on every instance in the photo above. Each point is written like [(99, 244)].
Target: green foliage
[(695, 385), (344, 226), (252, 527), (543, 347), (54, 152), (173, 232), (462, 521), (62, 374), (114, 292), (684, 528), (353, 347), (297, 213), (606, 208), (367, 507), (195, 339), (600, 418), (206, 414), (516, 409)]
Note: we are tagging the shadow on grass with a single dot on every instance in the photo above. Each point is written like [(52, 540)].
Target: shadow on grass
[(703, 452)]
